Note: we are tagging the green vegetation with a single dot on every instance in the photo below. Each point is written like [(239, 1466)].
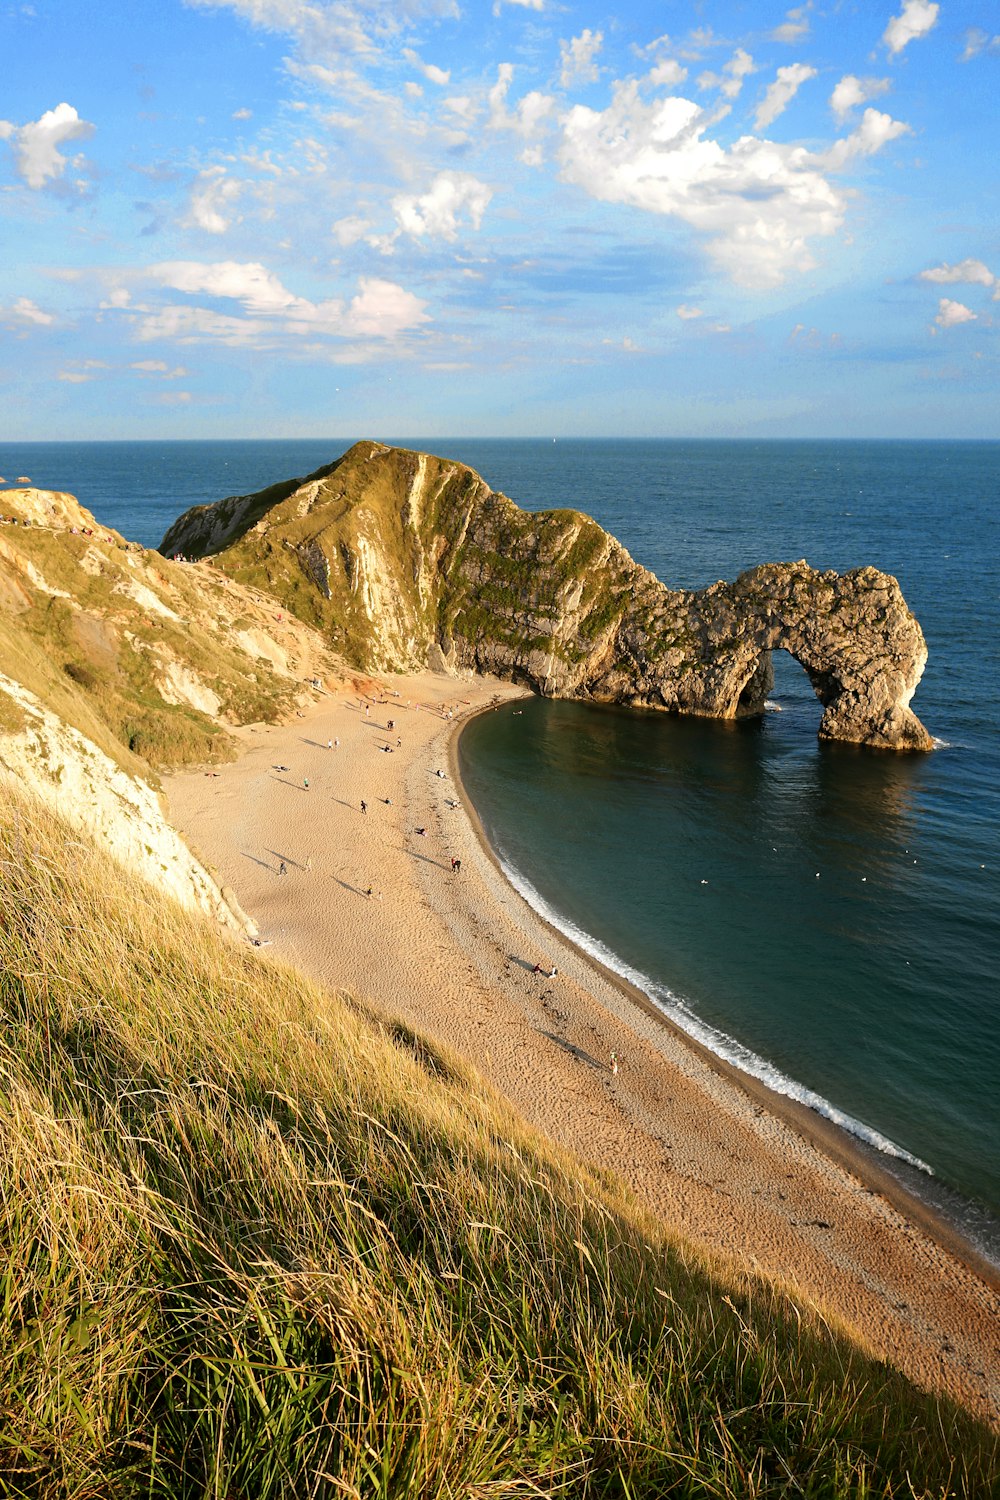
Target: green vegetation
[(95, 656), (255, 1243)]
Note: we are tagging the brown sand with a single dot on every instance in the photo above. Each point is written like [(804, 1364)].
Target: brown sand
[(728, 1164)]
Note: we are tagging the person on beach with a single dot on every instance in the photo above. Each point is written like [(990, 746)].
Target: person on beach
[(282, 868), (364, 807), (421, 831), (456, 866), (614, 1064), (305, 783), (329, 744), (309, 863)]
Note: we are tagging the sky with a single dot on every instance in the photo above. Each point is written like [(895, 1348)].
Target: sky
[(367, 218)]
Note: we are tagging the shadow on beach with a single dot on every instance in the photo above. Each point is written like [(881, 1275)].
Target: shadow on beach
[(577, 1052), (262, 862)]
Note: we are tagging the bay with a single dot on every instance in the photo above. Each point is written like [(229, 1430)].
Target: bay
[(846, 941)]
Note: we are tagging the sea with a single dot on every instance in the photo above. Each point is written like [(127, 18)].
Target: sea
[(822, 916)]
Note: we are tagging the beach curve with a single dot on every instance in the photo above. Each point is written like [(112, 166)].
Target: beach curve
[(370, 903)]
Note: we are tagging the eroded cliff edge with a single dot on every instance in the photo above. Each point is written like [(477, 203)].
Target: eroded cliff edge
[(405, 560)]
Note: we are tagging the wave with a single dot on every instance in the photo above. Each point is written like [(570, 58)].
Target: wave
[(718, 1042)]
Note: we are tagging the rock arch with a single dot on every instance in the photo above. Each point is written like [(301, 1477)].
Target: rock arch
[(861, 648)]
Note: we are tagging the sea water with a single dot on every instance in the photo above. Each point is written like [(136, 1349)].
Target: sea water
[(824, 916)]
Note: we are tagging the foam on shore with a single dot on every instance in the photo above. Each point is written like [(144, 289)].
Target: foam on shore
[(714, 1040)]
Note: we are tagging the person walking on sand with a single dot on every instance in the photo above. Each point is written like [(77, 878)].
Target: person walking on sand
[(614, 1064), (309, 863), (364, 807), (305, 783), (456, 866), (282, 868)]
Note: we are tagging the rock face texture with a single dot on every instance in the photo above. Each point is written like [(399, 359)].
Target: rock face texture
[(406, 560)]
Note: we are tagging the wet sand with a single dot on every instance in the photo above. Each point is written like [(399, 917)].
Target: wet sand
[(453, 954)]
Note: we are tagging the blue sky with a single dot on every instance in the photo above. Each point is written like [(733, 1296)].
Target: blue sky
[(243, 218)]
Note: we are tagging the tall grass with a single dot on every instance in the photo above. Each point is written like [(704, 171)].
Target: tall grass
[(254, 1242)]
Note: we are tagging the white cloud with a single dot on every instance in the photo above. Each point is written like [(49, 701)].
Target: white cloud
[(158, 367), (118, 297), (730, 81), (37, 158), (950, 314), (525, 5), (667, 74), (875, 131), (915, 20), (531, 110), (974, 272), (687, 313), (74, 377), (576, 58), (977, 41), (242, 114), (436, 213), (794, 27), (430, 72), (212, 199), (852, 91), (759, 202), (24, 313), (250, 283), (383, 310), (379, 309), (462, 107), (349, 230), (781, 92)]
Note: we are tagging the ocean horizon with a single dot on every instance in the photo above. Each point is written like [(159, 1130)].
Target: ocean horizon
[(822, 916)]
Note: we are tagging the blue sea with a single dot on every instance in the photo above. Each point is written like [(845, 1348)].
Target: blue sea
[(825, 917)]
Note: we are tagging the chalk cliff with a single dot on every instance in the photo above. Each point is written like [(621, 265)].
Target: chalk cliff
[(408, 560)]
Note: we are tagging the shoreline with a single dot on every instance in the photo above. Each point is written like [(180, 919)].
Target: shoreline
[(825, 1135), (372, 906)]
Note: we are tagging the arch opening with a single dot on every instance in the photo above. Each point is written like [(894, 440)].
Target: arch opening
[(778, 675)]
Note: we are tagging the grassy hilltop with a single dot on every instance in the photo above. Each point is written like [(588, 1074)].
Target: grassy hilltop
[(257, 1242)]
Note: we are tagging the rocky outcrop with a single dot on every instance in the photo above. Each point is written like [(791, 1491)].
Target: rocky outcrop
[(407, 560)]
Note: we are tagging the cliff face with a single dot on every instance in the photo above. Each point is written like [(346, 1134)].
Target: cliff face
[(407, 560)]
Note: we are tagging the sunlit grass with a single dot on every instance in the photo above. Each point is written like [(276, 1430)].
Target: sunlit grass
[(255, 1243)]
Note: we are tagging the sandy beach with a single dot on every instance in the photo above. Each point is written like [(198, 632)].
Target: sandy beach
[(369, 901)]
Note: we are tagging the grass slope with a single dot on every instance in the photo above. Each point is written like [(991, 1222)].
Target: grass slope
[(255, 1243), (93, 653)]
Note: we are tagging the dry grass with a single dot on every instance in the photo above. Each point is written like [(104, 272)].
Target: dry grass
[(254, 1243)]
